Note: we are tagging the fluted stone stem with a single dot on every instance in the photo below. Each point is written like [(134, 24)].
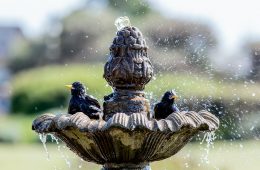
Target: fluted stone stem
[(126, 167)]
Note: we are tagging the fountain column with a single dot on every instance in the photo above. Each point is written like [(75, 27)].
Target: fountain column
[(127, 70)]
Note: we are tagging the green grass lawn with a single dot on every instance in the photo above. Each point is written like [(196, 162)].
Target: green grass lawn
[(224, 156), (17, 129)]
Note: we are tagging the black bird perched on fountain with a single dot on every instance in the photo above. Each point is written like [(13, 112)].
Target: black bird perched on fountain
[(81, 102), (166, 106)]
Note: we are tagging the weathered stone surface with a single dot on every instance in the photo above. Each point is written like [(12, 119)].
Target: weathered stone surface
[(125, 139), (109, 166), (128, 102), (128, 66)]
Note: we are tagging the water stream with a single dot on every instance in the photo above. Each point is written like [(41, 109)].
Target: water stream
[(209, 137), (43, 138)]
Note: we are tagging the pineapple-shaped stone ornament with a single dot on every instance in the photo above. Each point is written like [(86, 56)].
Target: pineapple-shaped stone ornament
[(128, 66)]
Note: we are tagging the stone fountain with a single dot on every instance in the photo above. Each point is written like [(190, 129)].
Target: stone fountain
[(128, 138)]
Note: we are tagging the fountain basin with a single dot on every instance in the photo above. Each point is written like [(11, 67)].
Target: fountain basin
[(125, 140)]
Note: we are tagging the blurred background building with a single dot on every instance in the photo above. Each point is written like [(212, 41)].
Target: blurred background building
[(8, 37)]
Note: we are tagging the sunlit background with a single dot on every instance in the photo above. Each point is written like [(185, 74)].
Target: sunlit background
[(208, 51)]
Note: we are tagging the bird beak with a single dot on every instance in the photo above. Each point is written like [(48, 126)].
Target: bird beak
[(69, 86), (174, 97)]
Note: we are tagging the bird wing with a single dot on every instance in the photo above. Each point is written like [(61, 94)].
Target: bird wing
[(156, 110), (175, 108), (72, 108), (92, 101), (69, 109)]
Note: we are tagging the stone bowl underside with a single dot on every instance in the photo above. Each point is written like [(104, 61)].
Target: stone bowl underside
[(125, 139)]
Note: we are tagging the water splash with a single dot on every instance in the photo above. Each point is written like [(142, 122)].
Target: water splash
[(61, 149), (122, 22), (186, 165), (43, 138), (187, 158), (81, 163), (53, 138), (209, 137), (65, 157)]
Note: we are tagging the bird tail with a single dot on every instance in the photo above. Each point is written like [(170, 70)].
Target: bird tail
[(94, 108), (98, 112)]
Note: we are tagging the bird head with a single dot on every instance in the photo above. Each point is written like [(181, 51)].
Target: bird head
[(169, 96), (77, 88)]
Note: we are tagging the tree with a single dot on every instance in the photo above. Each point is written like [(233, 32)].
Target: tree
[(130, 7)]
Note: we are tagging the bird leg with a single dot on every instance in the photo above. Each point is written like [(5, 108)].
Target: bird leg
[(100, 115)]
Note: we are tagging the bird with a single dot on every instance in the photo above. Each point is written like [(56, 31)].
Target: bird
[(81, 102), (166, 106), (108, 97)]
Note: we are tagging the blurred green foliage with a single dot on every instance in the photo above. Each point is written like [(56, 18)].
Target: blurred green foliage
[(42, 89), (85, 36), (17, 129), (48, 91), (137, 8), (27, 54)]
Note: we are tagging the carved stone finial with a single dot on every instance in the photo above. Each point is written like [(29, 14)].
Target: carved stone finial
[(128, 66)]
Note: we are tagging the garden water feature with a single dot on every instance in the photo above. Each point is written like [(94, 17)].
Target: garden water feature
[(128, 137)]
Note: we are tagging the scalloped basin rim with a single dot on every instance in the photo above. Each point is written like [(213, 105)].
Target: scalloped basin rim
[(203, 120)]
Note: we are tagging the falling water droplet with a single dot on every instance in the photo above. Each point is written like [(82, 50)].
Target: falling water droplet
[(209, 137), (65, 157), (43, 138), (53, 138)]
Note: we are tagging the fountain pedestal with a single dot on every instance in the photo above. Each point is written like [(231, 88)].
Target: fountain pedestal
[(128, 102), (127, 139), (123, 167)]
